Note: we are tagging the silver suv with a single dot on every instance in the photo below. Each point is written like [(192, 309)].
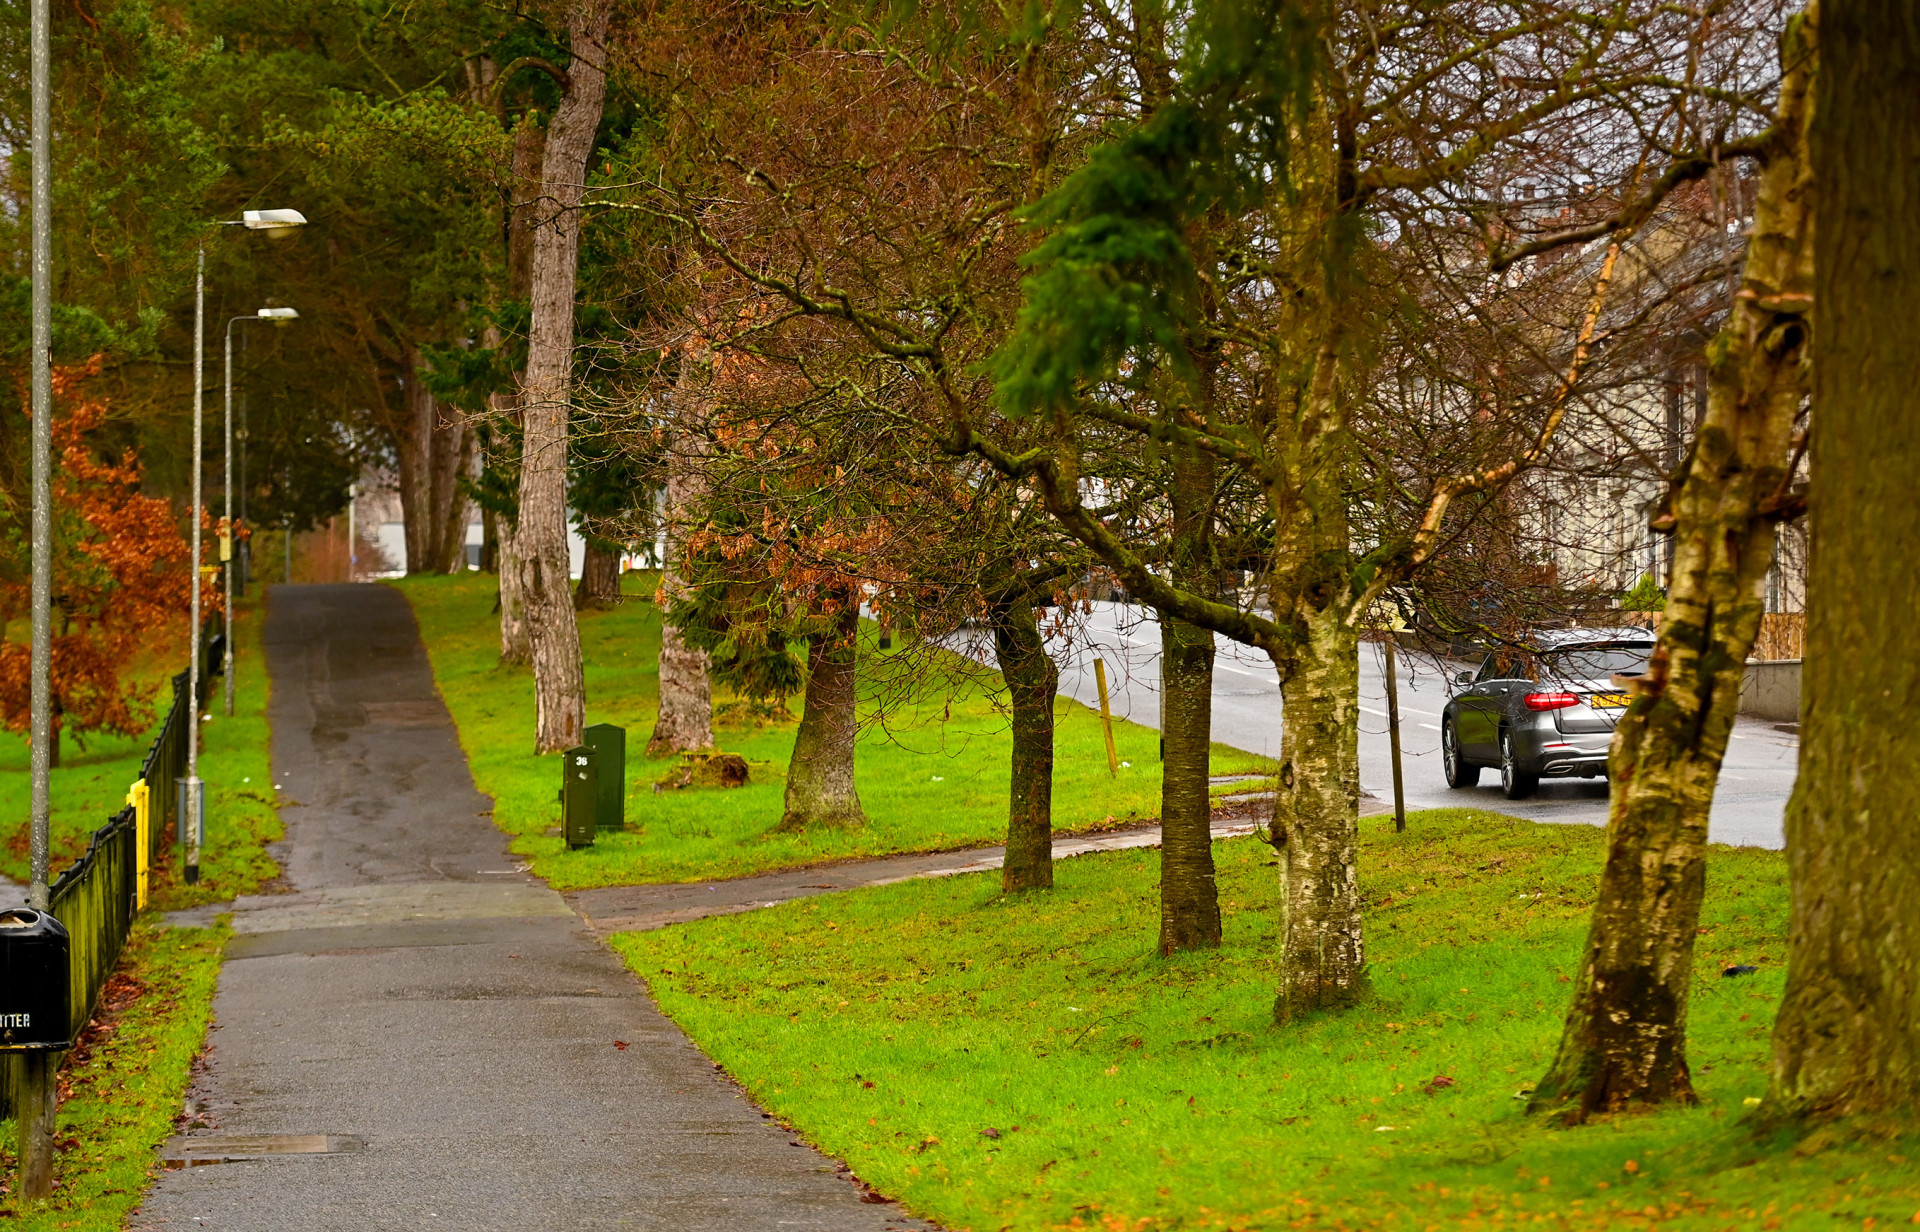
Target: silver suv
[(1544, 711)]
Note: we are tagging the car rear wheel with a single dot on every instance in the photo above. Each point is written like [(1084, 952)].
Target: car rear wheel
[(1459, 771), (1515, 784)]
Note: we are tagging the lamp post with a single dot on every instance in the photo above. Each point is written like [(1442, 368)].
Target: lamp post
[(36, 1094), (193, 817), (41, 381), (227, 552)]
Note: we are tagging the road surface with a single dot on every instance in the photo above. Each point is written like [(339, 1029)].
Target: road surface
[(1747, 809)]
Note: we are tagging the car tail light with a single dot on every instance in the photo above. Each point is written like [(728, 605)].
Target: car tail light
[(1552, 701)]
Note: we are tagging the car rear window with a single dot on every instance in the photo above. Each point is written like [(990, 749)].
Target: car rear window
[(1597, 662)]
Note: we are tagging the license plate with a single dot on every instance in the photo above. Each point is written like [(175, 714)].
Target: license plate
[(1608, 701)]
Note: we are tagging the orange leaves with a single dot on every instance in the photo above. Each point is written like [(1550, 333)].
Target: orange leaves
[(119, 574)]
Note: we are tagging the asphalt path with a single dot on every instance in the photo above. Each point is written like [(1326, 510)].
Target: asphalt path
[(420, 1035), (1748, 807)]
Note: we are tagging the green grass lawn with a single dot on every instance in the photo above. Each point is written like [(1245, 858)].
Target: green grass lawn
[(934, 775), (1028, 1062), (123, 1086), (91, 785)]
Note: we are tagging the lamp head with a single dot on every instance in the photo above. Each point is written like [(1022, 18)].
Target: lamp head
[(278, 224), (278, 314)]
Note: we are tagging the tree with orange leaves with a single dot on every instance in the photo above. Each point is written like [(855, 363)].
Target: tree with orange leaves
[(119, 572)]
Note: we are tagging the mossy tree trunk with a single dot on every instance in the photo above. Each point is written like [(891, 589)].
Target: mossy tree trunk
[(1189, 897), (1315, 598), (1624, 1042), (1032, 682), (1316, 827), (1847, 1040), (820, 781)]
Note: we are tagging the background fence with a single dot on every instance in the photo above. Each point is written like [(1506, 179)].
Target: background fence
[(96, 895), (1783, 635), (167, 761)]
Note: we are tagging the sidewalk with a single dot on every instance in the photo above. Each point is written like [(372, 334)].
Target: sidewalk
[(613, 909), (421, 1035)]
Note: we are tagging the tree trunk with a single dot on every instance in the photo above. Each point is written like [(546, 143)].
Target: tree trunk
[(412, 441), (1032, 682), (685, 722), (1847, 1040), (514, 647), (1189, 897), (1625, 1037), (1316, 825), (820, 783), (686, 695), (434, 447), (540, 538), (516, 640), (599, 576), (456, 449), (529, 145)]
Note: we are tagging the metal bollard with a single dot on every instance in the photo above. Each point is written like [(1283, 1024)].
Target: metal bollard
[(579, 796), (609, 745)]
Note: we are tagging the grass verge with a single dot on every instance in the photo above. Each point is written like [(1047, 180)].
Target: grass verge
[(121, 1088), (933, 776), (91, 785), (1028, 1062)]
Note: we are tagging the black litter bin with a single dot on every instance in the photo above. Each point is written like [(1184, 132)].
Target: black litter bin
[(33, 981), (609, 745), (579, 796)]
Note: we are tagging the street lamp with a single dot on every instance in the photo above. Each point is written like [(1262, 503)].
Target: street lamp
[(36, 1093), (193, 816), (277, 316), (278, 224)]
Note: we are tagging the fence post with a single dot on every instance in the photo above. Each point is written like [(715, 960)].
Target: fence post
[(139, 796), (1106, 715)]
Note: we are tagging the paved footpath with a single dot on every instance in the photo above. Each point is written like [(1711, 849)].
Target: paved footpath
[(421, 1035)]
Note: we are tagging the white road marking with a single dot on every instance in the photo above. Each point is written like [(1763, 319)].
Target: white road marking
[(1242, 671), (1431, 726)]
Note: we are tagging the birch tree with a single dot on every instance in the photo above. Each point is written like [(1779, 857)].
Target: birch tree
[(1625, 1036), (1327, 138)]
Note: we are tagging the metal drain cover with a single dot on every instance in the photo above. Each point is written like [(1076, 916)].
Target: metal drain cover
[(222, 1148)]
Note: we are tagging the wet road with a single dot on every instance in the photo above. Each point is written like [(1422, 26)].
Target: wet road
[(1748, 807)]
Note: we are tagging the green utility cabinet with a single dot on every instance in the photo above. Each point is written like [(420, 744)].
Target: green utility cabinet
[(579, 795), (609, 744)]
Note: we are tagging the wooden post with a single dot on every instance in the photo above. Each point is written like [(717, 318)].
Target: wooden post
[(34, 1098), (1393, 739), (1106, 717), (141, 799)]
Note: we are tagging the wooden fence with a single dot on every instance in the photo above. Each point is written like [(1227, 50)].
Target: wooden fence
[(1783, 635), (97, 896)]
